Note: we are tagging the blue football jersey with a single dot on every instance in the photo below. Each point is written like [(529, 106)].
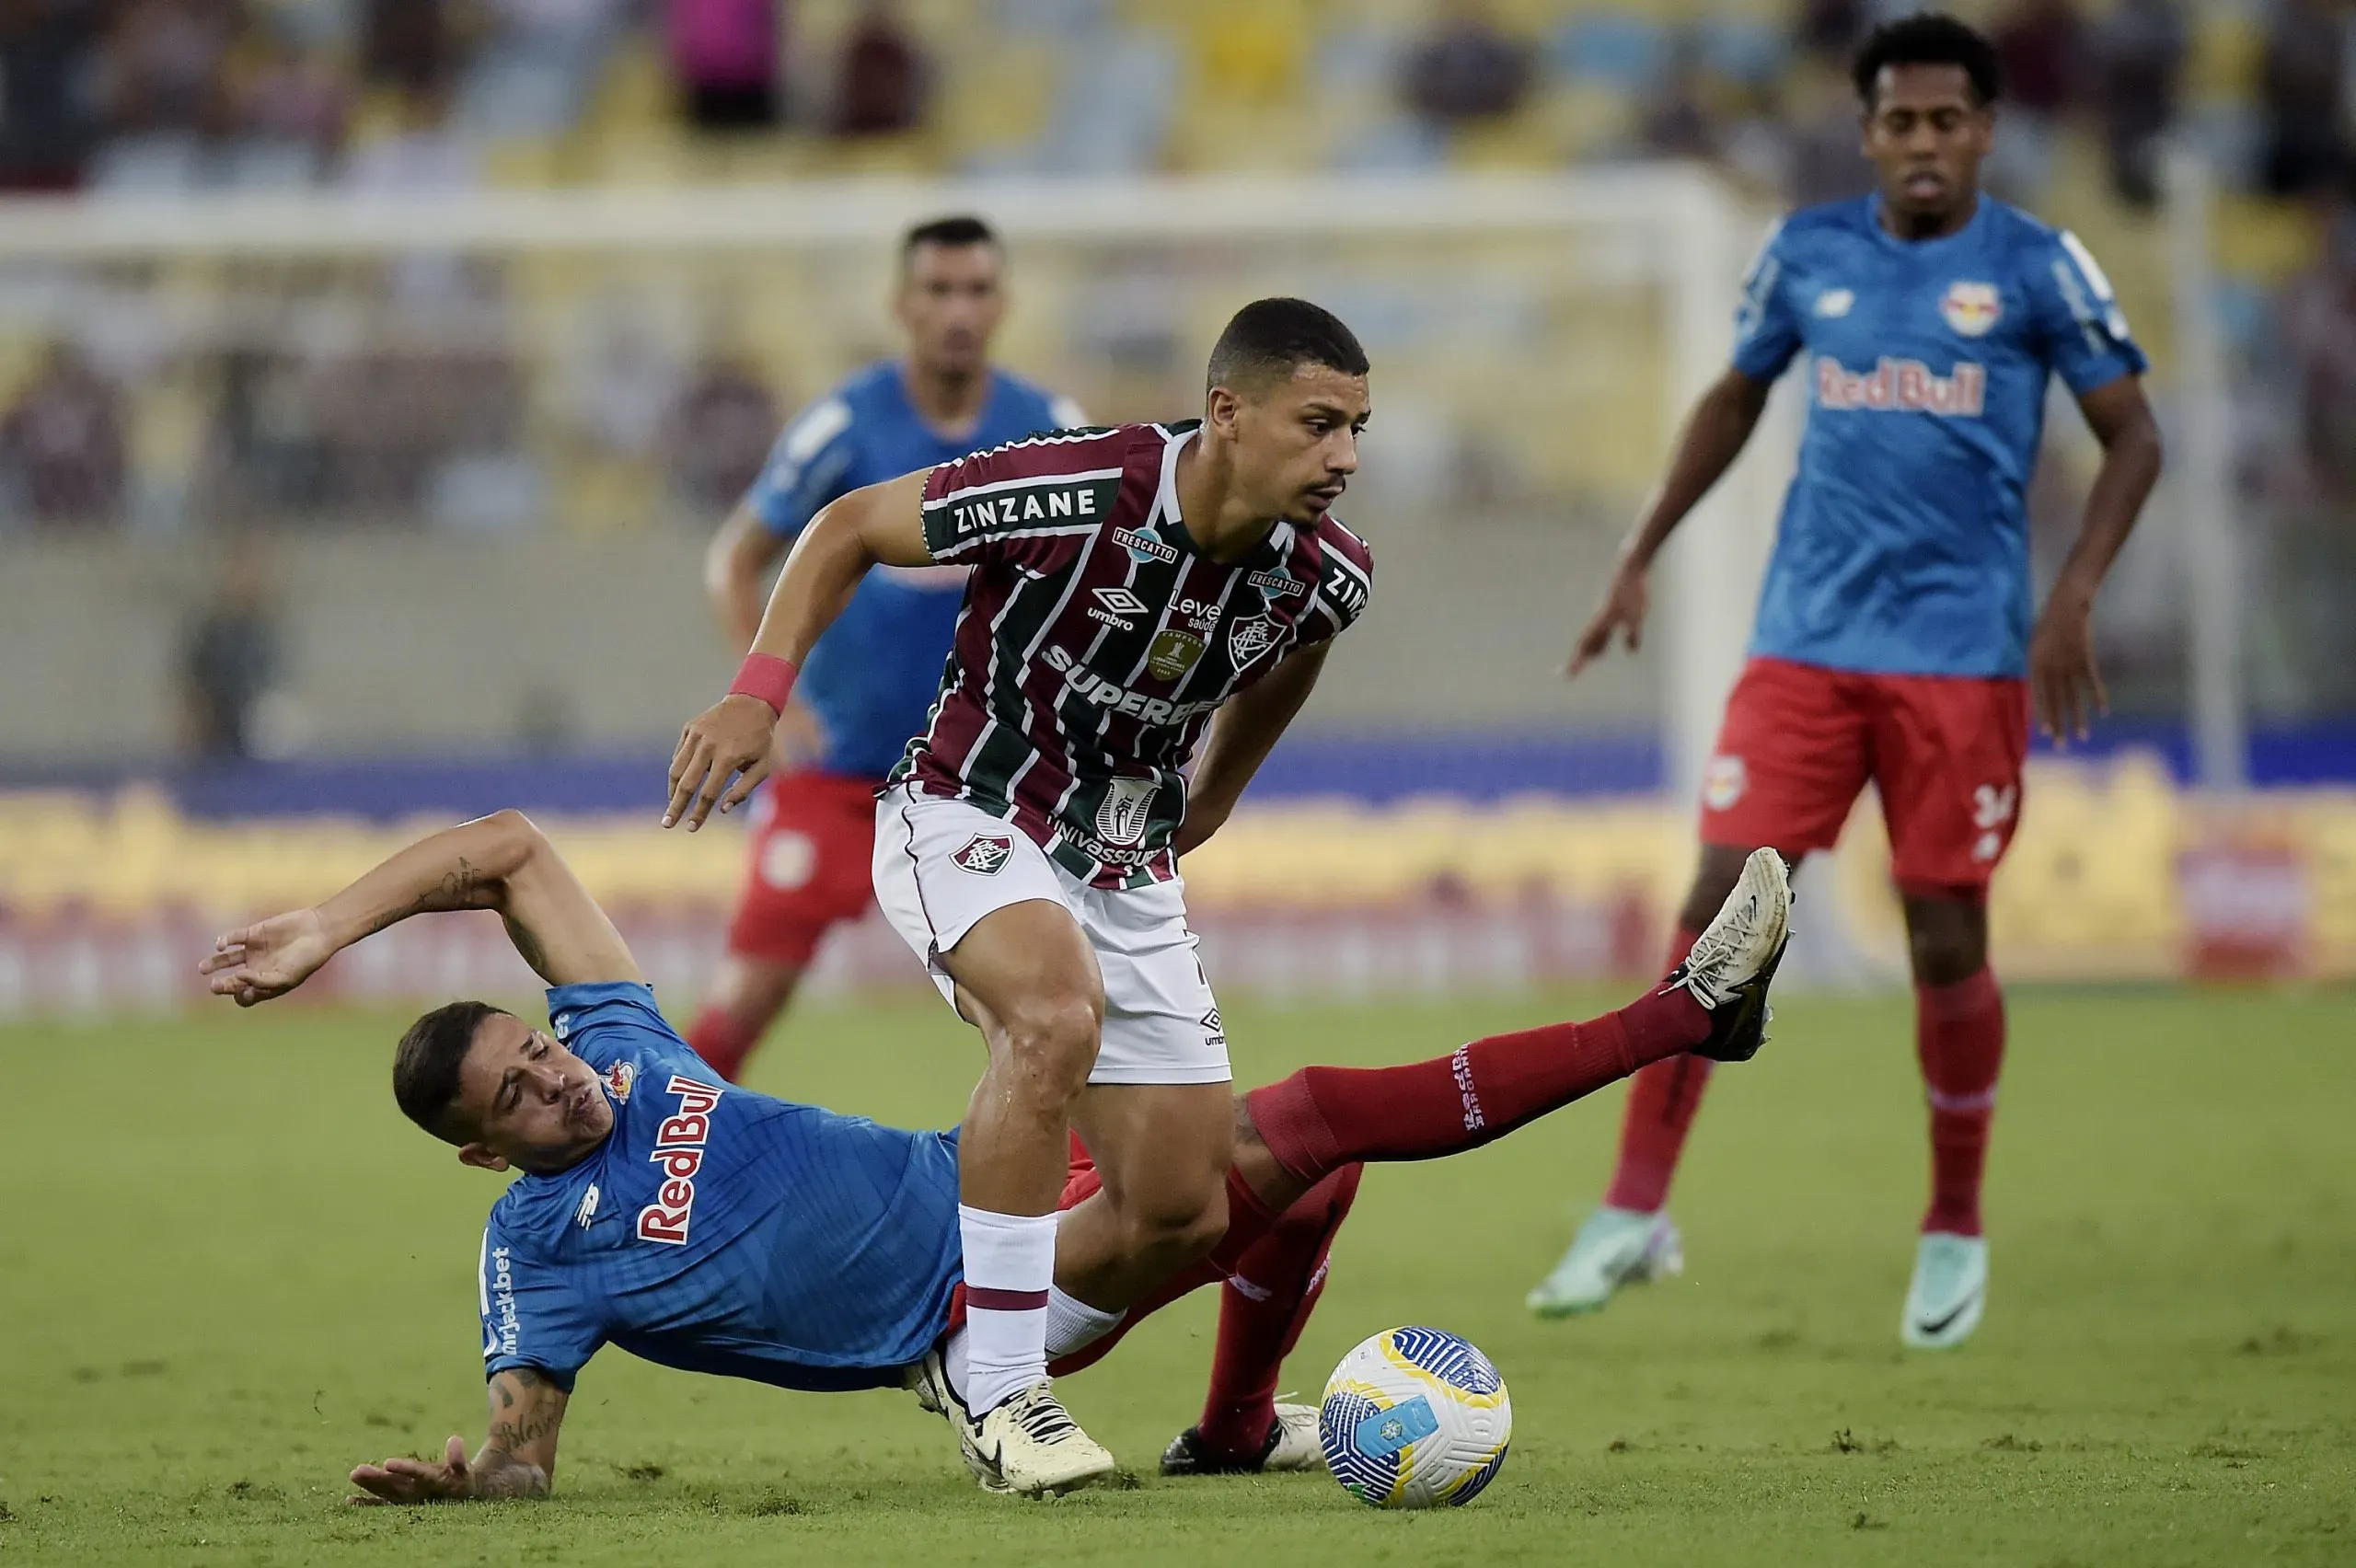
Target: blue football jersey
[(1903, 548), (872, 677), (718, 1229)]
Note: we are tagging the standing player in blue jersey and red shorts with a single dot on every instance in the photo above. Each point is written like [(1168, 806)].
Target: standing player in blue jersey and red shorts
[(870, 681), (1894, 643)]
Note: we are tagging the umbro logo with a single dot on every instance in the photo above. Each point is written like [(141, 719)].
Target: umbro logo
[(1119, 608)]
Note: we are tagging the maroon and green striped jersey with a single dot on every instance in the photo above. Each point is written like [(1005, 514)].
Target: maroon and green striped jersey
[(1096, 640)]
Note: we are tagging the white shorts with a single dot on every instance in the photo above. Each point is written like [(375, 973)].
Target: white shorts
[(940, 866)]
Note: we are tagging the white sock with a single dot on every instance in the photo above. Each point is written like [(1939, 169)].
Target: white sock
[(1074, 1324), (1009, 1272), (953, 1363)]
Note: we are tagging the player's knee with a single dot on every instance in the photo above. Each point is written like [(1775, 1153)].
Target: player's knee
[(1051, 1044), (1176, 1225), (1946, 939), (752, 992), (1946, 955)]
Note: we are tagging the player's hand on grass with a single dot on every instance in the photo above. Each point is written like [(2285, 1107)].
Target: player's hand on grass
[(732, 738), (404, 1480), (259, 961), (1622, 612), (2063, 681)]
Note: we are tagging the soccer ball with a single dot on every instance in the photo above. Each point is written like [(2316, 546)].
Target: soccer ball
[(1415, 1418)]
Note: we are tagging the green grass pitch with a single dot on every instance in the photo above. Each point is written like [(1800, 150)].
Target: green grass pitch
[(230, 1271)]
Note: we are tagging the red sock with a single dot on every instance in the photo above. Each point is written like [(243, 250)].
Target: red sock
[(1959, 1039), (1263, 1307), (1662, 1104), (722, 1041), (1324, 1118)]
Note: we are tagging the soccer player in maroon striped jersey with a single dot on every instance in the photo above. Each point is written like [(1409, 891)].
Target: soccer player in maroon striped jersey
[(1127, 583)]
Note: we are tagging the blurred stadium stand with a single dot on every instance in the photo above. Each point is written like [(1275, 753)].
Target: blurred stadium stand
[(464, 472)]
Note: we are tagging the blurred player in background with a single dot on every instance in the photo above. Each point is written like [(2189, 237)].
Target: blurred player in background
[(1894, 642), (871, 680)]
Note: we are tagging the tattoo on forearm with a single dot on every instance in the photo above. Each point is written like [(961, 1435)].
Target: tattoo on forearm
[(527, 1408), (465, 888)]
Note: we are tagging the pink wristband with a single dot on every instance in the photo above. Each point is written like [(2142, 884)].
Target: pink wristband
[(766, 676)]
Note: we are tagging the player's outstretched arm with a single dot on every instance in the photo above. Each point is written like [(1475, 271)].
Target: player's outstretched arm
[(2062, 676), (1243, 734), (1713, 436), (735, 567), (875, 525), (500, 862), (516, 1461)]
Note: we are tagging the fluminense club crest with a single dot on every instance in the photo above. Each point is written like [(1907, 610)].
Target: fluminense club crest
[(985, 853), (1248, 638)]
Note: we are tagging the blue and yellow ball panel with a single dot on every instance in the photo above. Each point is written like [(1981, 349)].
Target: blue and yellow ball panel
[(1415, 1418)]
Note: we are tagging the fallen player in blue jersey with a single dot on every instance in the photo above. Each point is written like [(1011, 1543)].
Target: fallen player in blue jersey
[(716, 1230)]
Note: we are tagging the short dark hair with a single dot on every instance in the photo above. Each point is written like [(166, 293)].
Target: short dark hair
[(955, 232), (1928, 38), (1270, 338), (425, 1066)]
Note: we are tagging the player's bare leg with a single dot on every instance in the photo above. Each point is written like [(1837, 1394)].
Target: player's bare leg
[(1630, 1238), (1026, 978), (1959, 1040), (747, 995), (1163, 1150)]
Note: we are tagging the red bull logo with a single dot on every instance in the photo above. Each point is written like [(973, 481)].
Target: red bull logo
[(679, 1145), (1972, 309), (1903, 386)]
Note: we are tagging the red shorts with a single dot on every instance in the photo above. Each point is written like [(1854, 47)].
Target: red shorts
[(813, 837), (1945, 752)]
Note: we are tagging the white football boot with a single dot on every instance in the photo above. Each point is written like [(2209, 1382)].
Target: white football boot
[(1729, 970), (1292, 1446), (1949, 1292), (1030, 1445)]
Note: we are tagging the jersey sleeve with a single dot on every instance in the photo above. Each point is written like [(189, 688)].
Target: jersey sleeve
[(2079, 326), (978, 506), (532, 1316), (809, 466), (1766, 327), (1344, 585)]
